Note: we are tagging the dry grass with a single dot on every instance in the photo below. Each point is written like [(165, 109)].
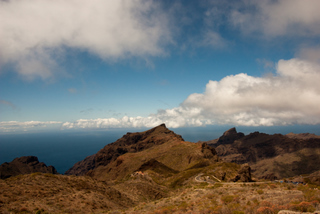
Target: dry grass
[(236, 199), (46, 193)]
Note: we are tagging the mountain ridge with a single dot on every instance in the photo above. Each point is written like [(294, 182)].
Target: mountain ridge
[(130, 142), (277, 155)]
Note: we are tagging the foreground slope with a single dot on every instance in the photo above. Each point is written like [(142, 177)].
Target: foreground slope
[(58, 194), (271, 156)]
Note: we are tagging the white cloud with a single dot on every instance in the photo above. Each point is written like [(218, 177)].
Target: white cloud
[(33, 35), (277, 18), (292, 96), (9, 126)]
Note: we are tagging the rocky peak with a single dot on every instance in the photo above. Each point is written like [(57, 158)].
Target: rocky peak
[(26, 159), (130, 142), (24, 165), (230, 136), (230, 132)]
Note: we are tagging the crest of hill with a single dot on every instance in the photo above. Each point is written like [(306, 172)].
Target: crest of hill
[(131, 142), (174, 155), (24, 165), (276, 155)]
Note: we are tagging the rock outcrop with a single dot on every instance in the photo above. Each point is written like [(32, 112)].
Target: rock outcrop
[(131, 142), (244, 174), (270, 156), (230, 136), (24, 165)]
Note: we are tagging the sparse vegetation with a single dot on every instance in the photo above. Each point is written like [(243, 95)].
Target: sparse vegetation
[(171, 177)]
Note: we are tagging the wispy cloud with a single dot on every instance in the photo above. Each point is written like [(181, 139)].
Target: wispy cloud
[(72, 90), (8, 126), (7, 103), (33, 36), (278, 18), (214, 40)]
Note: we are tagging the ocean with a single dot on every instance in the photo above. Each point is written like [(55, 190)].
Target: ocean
[(62, 149)]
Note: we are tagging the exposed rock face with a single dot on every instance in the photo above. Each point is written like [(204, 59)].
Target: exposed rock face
[(209, 152), (271, 156), (244, 174), (24, 165), (229, 136), (82, 167), (131, 142), (313, 178)]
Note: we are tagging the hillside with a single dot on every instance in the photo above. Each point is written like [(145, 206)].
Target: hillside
[(270, 156), (138, 168), (156, 171), (131, 142)]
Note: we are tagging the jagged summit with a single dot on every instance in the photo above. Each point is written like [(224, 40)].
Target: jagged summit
[(229, 132), (230, 136), (275, 156), (130, 142)]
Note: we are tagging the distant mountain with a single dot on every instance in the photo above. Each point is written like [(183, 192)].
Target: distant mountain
[(158, 149), (270, 156), (131, 142), (24, 165)]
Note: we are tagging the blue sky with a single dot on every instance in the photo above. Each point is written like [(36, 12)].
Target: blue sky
[(69, 65)]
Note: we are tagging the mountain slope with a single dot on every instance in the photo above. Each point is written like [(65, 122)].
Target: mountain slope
[(131, 142), (270, 155)]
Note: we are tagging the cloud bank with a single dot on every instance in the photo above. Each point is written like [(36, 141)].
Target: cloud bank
[(8, 126), (291, 96), (34, 35)]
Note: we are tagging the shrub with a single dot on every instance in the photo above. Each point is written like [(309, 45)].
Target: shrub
[(227, 199), (237, 212), (260, 191), (304, 207), (265, 210)]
